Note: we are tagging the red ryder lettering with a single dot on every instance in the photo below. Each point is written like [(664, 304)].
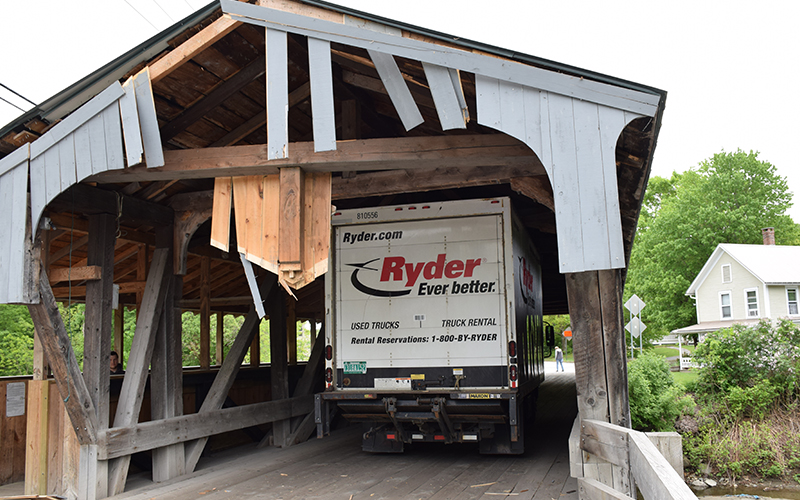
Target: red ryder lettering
[(394, 268)]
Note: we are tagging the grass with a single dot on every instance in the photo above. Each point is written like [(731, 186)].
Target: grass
[(665, 351), (684, 377)]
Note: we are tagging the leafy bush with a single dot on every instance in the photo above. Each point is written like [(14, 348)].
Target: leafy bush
[(656, 401), (751, 369)]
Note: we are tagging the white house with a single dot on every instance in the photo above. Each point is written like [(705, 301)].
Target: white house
[(744, 284)]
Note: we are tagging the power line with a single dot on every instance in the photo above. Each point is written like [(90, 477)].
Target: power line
[(11, 103), (162, 10), (134, 8), (17, 94)]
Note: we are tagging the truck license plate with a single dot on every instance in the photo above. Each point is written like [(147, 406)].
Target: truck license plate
[(355, 367)]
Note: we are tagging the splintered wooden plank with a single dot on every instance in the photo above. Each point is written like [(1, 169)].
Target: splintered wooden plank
[(112, 128), (240, 192), (97, 144), (80, 116), (318, 223), (270, 218), (148, 120), (277, 95), (321, 78), (221, 213), (290, 251), (397, 89), (258, 301), (252, 217), (451, 57), (13, 203), (134, 150), (445, 95)]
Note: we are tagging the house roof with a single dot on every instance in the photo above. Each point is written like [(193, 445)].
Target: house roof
[(771, 264), (713, 326)]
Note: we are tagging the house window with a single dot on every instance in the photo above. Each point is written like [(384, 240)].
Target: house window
[(726, 273), (792, 302), (725, 304), (751, 302)]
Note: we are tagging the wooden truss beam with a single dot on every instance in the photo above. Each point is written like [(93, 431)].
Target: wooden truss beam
[(227, 373), (403, 153), (81, 198), (123, 441), (191, 47), (58, 348)]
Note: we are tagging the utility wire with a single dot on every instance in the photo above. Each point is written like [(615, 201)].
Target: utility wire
[(164, 11), (17, 94), (134, 8), (11, 103)]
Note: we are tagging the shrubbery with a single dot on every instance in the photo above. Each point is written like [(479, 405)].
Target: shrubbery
[(656, 401), (750, 371), (749, 396)]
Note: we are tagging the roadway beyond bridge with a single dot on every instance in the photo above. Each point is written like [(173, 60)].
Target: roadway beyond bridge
[(336, 468)]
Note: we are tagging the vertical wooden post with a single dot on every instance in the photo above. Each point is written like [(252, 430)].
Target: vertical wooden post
[(255, 350), (205, 313), (279, 368), (141, 272), (166, 380), (36, 455), (291, 332), (220, 337), (595, 308), (119, 333), (97, 344)]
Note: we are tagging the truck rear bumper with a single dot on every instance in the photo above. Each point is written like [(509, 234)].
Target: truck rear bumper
[(394, 418)]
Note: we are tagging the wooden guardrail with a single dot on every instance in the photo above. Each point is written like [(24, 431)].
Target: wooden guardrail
[(610, 462)]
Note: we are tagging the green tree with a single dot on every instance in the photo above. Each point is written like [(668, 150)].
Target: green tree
[(726, 199)]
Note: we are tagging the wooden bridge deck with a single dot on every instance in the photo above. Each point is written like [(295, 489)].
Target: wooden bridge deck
[(336, 468)]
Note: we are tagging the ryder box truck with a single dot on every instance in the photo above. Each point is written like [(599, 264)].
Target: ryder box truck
[(435, 325)]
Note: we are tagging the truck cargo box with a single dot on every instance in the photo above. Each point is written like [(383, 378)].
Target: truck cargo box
[(435, 317)]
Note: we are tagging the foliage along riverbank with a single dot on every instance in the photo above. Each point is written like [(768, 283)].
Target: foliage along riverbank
[(741, 417)]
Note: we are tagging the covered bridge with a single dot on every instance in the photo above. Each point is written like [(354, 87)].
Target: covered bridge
[(117, 193)]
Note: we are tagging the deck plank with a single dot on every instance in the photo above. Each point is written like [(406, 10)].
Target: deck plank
[(336, 468)]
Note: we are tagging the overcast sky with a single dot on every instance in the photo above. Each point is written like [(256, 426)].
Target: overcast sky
[(729, 67)]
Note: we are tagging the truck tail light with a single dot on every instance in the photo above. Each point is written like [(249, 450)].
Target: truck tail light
[(328, 352), (328, 375), (391, 436), (512, 349), (438, 437), (512, 373)]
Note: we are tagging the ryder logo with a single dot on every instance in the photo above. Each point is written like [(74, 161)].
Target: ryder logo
[(397, 269)]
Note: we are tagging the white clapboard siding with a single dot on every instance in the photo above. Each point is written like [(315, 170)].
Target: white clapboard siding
[(148, 120), (134, 149), (13, 206), (321, 79), (450, 57), (396, 88), (87, 142), (277, 95), (445, 96), (576, 142)]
